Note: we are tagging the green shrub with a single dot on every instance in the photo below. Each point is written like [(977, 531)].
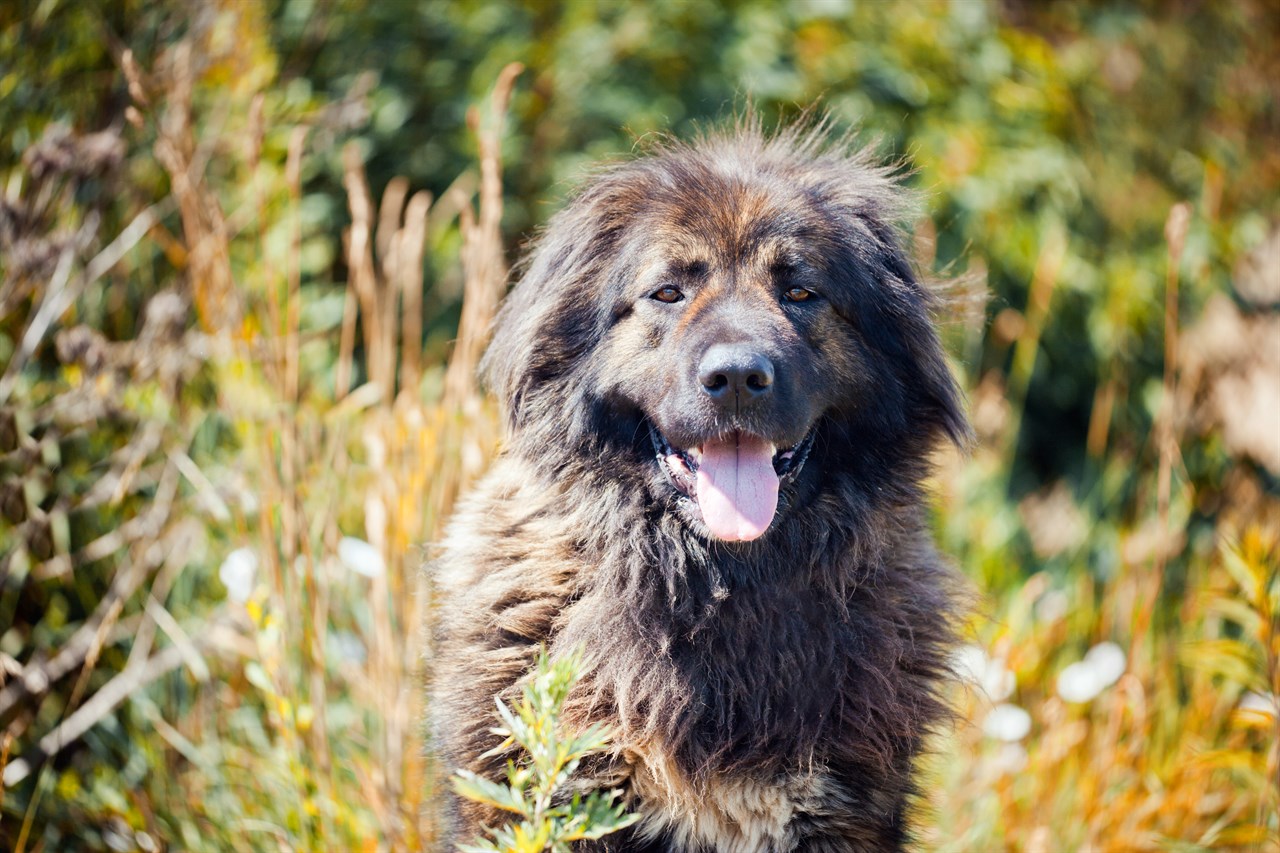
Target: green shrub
[(538, 781)]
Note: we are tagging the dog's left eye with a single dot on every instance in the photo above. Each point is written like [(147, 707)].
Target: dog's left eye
[(667, 294), (797, 294)]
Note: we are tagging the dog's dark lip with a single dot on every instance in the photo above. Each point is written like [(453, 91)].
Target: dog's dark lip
[(681, 466)]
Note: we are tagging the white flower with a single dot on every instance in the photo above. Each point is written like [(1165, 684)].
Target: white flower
[(1259, 703), (237, 574), (1102, 666), (361, 557), (1007, 722), (1108, 661), (1011, 758), (1078, 683), (990, 675), (968, 662)]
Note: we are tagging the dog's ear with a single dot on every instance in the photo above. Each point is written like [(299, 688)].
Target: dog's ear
[(893, 312), (878, 291), (931, 390), (558, 310)]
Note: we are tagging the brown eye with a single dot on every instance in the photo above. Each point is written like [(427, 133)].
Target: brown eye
[(668, 294), (797, 294)]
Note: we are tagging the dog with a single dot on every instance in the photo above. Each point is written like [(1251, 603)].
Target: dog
[(723, 386)]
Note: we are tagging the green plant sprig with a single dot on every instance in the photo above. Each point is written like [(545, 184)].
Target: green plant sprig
[(536, 782)]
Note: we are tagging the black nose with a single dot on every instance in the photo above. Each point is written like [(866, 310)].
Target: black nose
[(735, 374)]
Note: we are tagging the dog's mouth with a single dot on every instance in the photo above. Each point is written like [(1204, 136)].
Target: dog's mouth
[(732, 480)]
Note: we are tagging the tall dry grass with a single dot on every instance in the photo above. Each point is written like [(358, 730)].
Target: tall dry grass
[(344, 467)]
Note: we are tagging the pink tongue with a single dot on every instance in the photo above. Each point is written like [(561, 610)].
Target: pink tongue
[(737, 487)]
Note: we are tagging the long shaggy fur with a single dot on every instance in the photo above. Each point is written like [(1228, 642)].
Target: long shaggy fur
[(769, 695)]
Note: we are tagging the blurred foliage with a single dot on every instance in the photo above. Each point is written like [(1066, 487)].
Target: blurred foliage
[(199, 357)]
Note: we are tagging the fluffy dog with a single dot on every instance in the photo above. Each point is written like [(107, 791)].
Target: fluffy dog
[(723, 386)]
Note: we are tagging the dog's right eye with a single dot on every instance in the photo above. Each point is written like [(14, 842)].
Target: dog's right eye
[(667, 294)]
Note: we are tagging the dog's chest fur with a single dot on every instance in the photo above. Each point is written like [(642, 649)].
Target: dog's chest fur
[(736, 813), (753, 711)]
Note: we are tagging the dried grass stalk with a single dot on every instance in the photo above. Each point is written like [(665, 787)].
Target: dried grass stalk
[(482, 254)]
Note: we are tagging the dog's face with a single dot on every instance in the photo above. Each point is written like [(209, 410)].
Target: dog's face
[(730, 342), (714, 310)]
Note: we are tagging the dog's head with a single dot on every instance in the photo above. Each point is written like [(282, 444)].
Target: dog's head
[(738, 317)]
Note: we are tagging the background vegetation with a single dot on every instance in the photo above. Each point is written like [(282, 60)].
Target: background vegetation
[(235, 241)]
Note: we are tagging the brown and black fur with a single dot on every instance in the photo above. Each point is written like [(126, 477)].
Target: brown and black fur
[(767, 695)]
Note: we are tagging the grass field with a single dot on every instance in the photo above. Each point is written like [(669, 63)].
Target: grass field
[(223, 472)]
